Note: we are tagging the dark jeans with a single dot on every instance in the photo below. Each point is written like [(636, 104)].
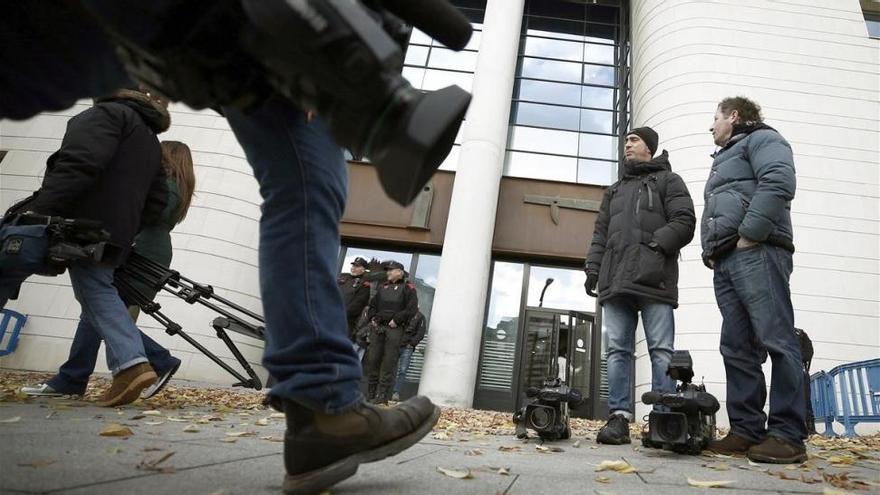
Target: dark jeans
[(303, 181), (406, 353), (380, 362), (73, 376), (752, 290)]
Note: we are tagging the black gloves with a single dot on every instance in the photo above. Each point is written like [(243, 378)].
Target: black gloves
[(592, 280)]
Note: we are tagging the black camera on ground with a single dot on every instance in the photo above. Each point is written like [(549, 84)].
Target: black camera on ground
[(689, 424), (546, 410)]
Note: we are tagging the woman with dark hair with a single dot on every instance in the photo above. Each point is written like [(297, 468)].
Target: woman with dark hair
[(154, 242)]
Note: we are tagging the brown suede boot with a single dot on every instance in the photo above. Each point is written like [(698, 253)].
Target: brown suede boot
[(731, 445), (321, 450), (128, 384), (776, 450)]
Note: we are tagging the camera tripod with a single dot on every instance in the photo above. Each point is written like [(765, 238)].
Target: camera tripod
[(140, 269)]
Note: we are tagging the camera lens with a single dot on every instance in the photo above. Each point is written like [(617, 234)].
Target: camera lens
[(541, 418), (671, 428)]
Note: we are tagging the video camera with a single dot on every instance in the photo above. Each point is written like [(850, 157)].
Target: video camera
[(340, 58), (547, 410), (689, 424)]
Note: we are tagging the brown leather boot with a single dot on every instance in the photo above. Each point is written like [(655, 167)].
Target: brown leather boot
[(776, 450), (731, 445), (321, 450), (128, 384)]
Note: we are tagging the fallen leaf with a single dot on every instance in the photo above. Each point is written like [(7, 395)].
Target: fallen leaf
[(152, 412), (832, 491), (191, 429), (136, 417), (622, 467), (841, 459), (503, 472), (114, 450), (602, 492), (240, 434), (14, 419), (453, 473), (177, 420), (510, 448), (277, 415), (154, 465), (473, 452), (38, 463), (272, 439), (709, 484), (718, 466), (154, 423), (441, 435), (228, 440), (577, 444), (262, 422), (603, 479), (116, 430), (153, 449)]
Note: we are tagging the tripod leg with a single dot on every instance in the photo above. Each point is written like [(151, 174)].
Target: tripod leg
[(254, 382)]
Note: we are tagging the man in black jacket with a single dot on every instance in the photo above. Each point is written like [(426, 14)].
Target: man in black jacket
[(355, 293), (644, 220), (390, 310), (107, 166)]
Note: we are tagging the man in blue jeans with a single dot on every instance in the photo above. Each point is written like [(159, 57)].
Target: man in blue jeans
[(303, 182), (644, 220), (747, 240)]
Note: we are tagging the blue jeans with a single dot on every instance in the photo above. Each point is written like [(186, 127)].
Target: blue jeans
[(406, 353), (73, 376), (92, 286), (303, 181), (752, 290), (621, 315)]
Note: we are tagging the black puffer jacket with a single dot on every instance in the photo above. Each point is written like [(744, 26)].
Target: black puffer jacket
[(109, 168), (650, 204)]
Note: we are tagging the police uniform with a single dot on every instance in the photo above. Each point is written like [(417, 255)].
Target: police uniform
[(356, 294), (393, 301)]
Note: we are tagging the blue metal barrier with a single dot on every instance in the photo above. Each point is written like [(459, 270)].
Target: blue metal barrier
[(15, 320), (849, 394)]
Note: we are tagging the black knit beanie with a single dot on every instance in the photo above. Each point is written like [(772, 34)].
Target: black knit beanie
[(648, 136)]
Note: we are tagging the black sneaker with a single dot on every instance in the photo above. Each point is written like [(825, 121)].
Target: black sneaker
[(615, 431), (164, 378), (321, 450)]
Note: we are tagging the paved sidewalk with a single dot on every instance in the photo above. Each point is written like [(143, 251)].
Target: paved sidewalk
[(55, 447)]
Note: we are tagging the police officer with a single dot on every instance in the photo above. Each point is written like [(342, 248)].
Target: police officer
[(390, 309), (355, 292)]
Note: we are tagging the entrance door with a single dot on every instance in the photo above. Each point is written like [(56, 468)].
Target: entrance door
[(560, 344)]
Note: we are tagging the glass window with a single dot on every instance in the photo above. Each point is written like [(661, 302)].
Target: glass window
[(437, 79), (443, 58), (594, 145), (597, 97), (552, 70), (545, 116), (543, 140), (557, 8), (425, 280), (602, 54), (596, 121), (353, 252), (416, 55), (547, 92), (873, 27), (565, 292), (599, 33), (502, 325), (597, 74), (597, 172), (549, 48), (537, 166), (555, 28)]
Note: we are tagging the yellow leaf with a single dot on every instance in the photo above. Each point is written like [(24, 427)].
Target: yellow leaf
[(709, 484), (116, 430), (619, 466), (473, 452), (228, 440), (272, 439), (441, 435), (154, 423), (277, 415), (178, 420), (14, 419), (191, 429), (603, 479), (453, 473), (503, 472), (152, 412), (510, 448), (262, 422), (240, 434), (832, 491)]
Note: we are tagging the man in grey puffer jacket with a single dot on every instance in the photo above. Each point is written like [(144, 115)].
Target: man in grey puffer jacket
[(747, 240)]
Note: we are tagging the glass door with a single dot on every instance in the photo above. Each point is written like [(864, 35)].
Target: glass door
[(540, 351), (580, 358)]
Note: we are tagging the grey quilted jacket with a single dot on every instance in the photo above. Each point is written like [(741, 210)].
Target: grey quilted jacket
[(749, 193)]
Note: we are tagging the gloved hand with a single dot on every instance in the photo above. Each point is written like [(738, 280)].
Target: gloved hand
[(592, 281)]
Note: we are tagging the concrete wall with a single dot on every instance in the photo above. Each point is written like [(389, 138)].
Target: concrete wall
[(811, 66), (216, 244)]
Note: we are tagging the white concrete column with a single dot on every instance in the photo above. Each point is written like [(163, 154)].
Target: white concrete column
[(457, 317)]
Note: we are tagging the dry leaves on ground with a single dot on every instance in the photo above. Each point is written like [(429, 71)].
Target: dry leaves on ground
[(155, 464), (461, 474), (38, 463), (116, 430), (709, 484), (14, 419), (622, 467)]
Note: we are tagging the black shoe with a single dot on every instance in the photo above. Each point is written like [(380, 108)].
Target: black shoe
[(321, 450), (775, 450), (164, 378), (615, 431)]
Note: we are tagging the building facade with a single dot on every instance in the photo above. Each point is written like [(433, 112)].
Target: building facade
[(496, 241)]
